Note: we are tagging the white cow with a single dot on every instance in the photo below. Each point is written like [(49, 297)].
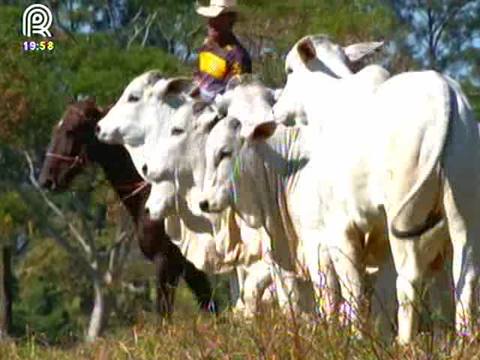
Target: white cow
[(178, 156), (142, 112), (336, 86), (403, 161), (316, 54), (319, 93)]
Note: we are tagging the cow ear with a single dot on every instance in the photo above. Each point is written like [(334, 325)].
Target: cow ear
[(276, 93), (273, 95), (357, 52), (177, 86), (154, 76), (233, 82), (210, 120), (306, 50), (258, 132), (234, 124), (199, 106), (222, 102)]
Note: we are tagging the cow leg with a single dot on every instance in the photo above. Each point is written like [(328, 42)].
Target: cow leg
[(236, 284), (345, 249), (462, 209), (287, 289), (383, 304), (322, 273), (257, 280), (410, 266), (440, 297)]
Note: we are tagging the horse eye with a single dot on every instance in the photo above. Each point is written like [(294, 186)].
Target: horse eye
[(133, 98), (177, 131)]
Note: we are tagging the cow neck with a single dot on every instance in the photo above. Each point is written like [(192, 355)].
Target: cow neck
[(269, 173), (154, 127), (194, 223), (284, 155), (267, 170)]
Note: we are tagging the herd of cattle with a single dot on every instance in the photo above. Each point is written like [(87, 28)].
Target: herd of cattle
[(344, 173)]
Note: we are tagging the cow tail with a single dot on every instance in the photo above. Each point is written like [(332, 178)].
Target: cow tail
[(434, 218)]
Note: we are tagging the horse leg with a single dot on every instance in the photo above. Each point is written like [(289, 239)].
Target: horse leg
[(199, 283), (166, 284), (156, 245)]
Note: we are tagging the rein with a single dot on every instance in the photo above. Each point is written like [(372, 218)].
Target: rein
[(137, 187)]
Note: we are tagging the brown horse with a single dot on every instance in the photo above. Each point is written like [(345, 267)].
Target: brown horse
[(72, 147)]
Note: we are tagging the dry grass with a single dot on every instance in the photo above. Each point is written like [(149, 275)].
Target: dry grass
[(270, 336), (190, 335)]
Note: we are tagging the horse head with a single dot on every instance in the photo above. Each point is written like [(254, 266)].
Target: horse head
[(68, 151)]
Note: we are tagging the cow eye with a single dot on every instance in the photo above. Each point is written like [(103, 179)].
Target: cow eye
[(177, 131), (133, 98), (224, 154), (289, 70)]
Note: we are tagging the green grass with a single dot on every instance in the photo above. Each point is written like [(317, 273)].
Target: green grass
[(272, 335)]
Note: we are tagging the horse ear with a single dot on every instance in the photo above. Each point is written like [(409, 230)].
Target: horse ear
[(91, 100), (105, 109), (70, 100), (306, 50)]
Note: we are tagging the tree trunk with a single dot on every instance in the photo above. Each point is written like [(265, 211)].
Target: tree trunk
[(99, 316), (5, 292)]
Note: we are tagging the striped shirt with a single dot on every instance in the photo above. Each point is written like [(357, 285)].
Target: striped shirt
[(216, 65)]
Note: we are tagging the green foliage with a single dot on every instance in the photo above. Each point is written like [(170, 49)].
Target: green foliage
[(346, 21), (99, 69), (49, 299), (39, 85), (13, 213), (441, 34)]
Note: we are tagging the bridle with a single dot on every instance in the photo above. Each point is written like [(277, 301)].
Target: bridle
[(73, 160)]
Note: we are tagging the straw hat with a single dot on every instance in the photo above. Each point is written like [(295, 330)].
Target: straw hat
[(217, 7)]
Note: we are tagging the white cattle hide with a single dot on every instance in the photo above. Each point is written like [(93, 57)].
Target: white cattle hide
[(402, 149), (141, 113)]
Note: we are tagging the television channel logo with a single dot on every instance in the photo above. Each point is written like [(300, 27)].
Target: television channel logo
[(37, 20)]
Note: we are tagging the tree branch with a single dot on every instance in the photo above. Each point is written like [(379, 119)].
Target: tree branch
[(76, 234), (147, 28), (444, 23), (70, 249)]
